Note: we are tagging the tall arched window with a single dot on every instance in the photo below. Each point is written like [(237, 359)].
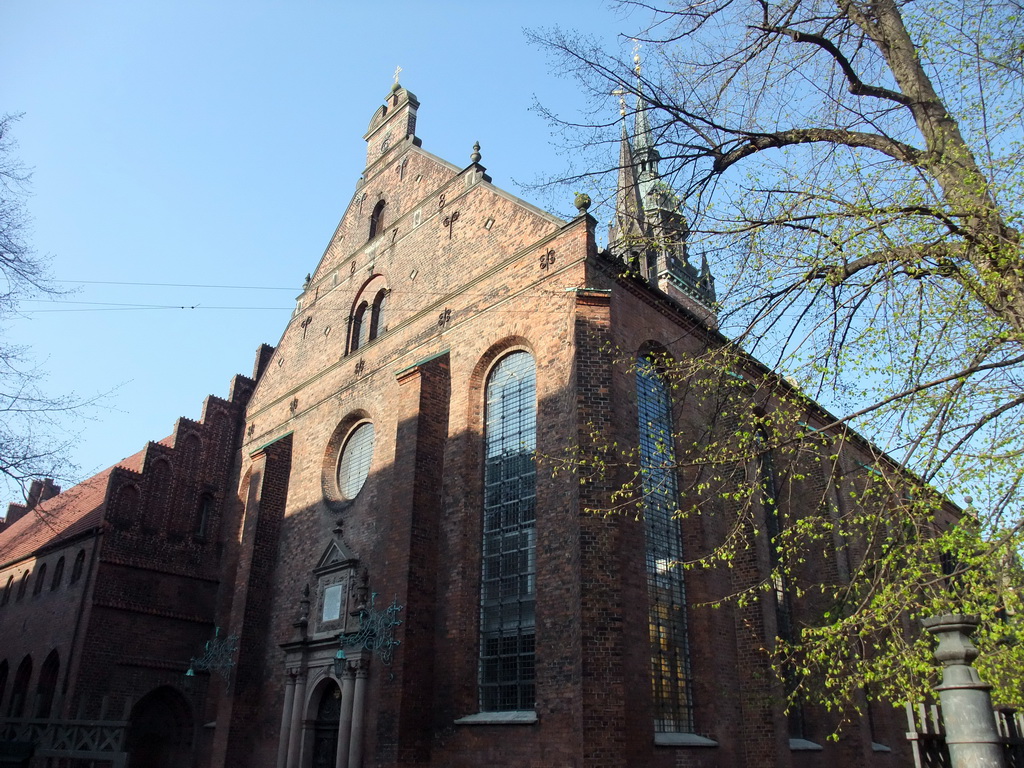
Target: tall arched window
[(781, 597), (670, 646), (507, 594), (23, 585), (377, 220), (773, 529), (19, 692), (47, 686), (7, 592)]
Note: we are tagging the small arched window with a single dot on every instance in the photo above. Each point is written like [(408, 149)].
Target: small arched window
[(23, 585), (360, 327), (377, 220), (58, 575), (8, 591), (369, 315), (76, 569), (204, 514), (377, 325), (40, 579)]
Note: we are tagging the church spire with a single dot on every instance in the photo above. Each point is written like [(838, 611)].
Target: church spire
[(642, 126), (628, 208), (649, 232), (653, 191), (645, 149)]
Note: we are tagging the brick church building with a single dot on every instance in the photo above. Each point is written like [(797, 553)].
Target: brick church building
[(361, 556)]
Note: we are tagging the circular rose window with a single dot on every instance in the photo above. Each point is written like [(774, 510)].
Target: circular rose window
[(354, 464)]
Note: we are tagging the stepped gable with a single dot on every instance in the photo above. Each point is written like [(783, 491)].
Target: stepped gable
[(63, 517), (84, 506)]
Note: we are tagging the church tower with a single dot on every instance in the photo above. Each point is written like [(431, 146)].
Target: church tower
[(649, 232)]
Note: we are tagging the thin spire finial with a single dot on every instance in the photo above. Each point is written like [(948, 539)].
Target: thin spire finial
[(621, 93)]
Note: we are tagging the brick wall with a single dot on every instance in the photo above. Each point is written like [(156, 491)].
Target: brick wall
[(224, 523)]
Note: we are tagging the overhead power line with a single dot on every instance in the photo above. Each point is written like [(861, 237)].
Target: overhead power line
[(143, 307), (111, 306), (181, 285), (406, 290)]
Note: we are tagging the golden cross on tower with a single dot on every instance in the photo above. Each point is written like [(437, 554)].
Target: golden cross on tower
[(397, 71), (636, 56)]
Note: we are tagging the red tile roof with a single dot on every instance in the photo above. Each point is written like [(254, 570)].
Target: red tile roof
[(62, 517)]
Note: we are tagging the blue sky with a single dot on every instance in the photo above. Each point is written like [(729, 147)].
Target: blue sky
[(218, 143)]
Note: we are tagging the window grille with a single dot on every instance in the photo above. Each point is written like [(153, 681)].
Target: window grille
[(670, 650), (507, 594)]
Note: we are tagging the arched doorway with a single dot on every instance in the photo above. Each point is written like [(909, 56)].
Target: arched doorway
[(160, 731), (325, 727)]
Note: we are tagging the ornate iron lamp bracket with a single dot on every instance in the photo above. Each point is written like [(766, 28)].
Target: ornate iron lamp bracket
[(218, 656), (377, 630)]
